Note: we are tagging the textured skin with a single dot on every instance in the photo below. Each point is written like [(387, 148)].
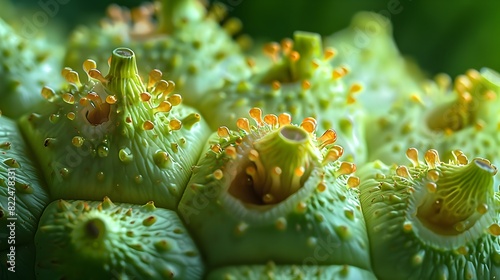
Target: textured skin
[(25, 67), (322, 220), (134, 241), (285, 272), (25, 200), (404, 246), (137, 152)]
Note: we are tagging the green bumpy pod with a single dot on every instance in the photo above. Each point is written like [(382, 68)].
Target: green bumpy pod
[(18, 264), (22, 189), (432, 220), (25, 67), (445, 117), (116, 136), (286, 272), (186, 41), (301, 82), (368, 48), (101, 240), (273, 191)]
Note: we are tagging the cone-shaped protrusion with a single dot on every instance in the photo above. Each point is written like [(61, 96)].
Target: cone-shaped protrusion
[(432, 213), (92, 239)]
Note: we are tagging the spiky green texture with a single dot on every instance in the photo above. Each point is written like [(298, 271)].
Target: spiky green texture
[(432, 214), (24, 260), (101, 240), (24, 69), (22, 189), (126, 148), (304, 88), (367, 47), (189, 44), (285, 272), (320, 223)]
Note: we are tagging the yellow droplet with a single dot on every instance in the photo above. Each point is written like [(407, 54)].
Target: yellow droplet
[(431, 187), (431, 157), (256, 114), (71, 115), (482, 208), (403, 171), (321, 187), (89, 64), (494, 229), (175, 99), (284, 119), (68, 98), (145, 96), (77, 141), (271, 120), (218, 174), (412, 155), (223, 132), (330, 53), (433, 175), (353, 182), (231, 152), (111, 99), (328, 137), (243, 124), (48, 93), (306, 85)]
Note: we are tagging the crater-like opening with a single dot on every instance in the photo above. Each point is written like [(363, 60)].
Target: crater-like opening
[(94, 228), (124, 52), (293, 133), (98, 114)]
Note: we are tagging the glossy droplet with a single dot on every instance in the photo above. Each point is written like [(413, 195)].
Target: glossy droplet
[(175, 124), (161, 159), (256, 114), (433, 175), (284, 119), (308, 126), (216, 148), (71, 116), (431, 157), (68, 98), (355, 88), (353, 182), (330, 53), (346, 168), (412, 155), (231, 152), (154, 77), (125, 155), (77, 141), (328, 137), (48, 93), (431, 187), (145, 96), (243, 124), (89, 64), (333, 154), (175, 99), (494, 229), (111, 99), (321, 187), (306, 85), (163, 107), (102, 151), (403, 171), (148, 125), (223, 132), (482, 208), (218, 174), (271, 120)]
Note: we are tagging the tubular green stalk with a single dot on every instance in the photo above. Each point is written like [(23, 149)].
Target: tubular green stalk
[(186, 41), (274, 184), (101, 240), (432, 214), (272, 271), (131, 141), (23, 194), (300, 82)]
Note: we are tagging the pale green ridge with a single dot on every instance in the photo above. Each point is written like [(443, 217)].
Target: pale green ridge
[(25, 68), (102, 240), (320, 223), (188, 44), (130, 140), (23, 194), (302, 83), (272, 271), (432, 220)]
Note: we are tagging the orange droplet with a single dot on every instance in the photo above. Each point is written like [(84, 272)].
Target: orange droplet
[(148, 125), (330, 53), (294, 56), (243, 124), (308, 126), (431, 157), (403, 171), (306, 84), (276, 85), (256, 114), (111, 99), (231, 152), (355, 88), (163, 107), (154, 77), (353, 182), (96, 74), (145, 96), (68, 98), (328, 137), (271, 120), (174, 99), (223, 132), (284, 119)]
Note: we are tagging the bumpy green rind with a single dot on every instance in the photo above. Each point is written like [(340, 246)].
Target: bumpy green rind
[(22, 189), (403, 246), (285, 272), (18, 264), (321, 223), (367, 47), (304, 88), (130, 150), (188, 43), (102, 240), (24, 69)]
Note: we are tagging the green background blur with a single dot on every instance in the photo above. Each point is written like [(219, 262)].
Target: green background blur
[(440, 36)]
